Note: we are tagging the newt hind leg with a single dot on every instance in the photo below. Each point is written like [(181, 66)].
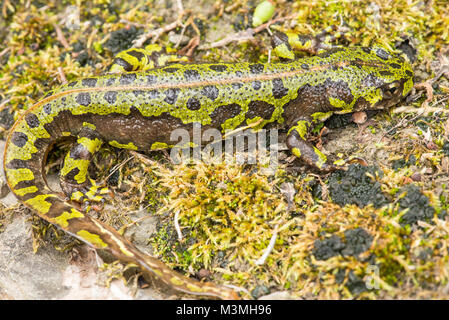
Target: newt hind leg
[(74, 178), (297, 143)]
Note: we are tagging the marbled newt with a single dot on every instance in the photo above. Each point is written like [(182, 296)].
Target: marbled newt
[(139, 106)]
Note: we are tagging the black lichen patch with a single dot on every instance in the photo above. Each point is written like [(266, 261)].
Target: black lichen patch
[(355, 284), (354, 186), (417, 204), (402, 163), (122, 39), (328, 248), (356, 241)]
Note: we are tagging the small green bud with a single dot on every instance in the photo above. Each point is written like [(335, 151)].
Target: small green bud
[(264, 11)]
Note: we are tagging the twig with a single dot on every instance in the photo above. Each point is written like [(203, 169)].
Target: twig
[(237, 288), (155, 34), (427, 85), (4, 52), (188, 49), (232, 6), (3, 104), (270, 247), (117, 167), (60, 36), (177, 228), (247, 34), (420, 111), (62, 75)]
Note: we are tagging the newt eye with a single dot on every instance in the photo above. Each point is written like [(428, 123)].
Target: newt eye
[(391, 90)]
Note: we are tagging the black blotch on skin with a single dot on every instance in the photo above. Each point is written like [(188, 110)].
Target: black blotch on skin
[(218, 67), (151, 79), (111, 97), (193, 104), (123, 63), (211, 92), (279, 90), (153, 94), (315, 98), (17, 164), (127, 78), (47, 108), (110, 82), (280, 38), (72, 84), (385, 73), (191, 75), (237, 85), (260, 109), (395, 65), (305, 66), (137, 54), (138, 92), (19, 139), (366, 49), (171, 70), (171, 95), (256, 85), (32, 120), (89, 82), (223, 113), (29, 183), (330, 52), (409, 73), (256, 68), (239, 73), (83, 98), (71, 174), (382, 54)]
